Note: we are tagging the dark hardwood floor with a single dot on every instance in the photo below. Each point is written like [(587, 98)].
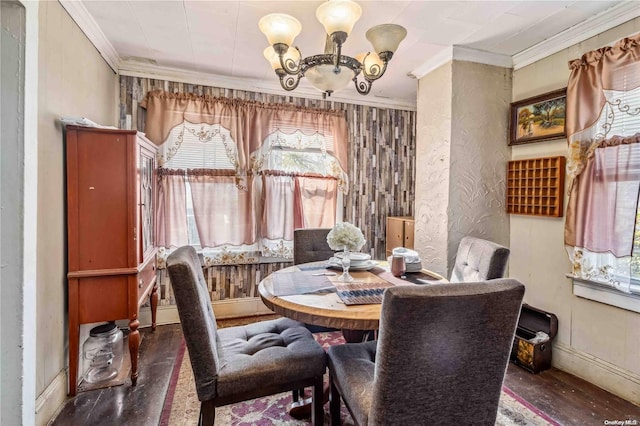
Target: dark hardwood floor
[(563, 397)]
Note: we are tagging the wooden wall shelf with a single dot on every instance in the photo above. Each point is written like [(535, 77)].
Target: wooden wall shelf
[(536, 186)]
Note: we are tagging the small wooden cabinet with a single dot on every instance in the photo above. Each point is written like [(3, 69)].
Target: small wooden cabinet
[(111, 177), (400, 230)]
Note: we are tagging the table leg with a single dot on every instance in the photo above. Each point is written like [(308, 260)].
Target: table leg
[(301, 409), (358, 336), (134, 346)]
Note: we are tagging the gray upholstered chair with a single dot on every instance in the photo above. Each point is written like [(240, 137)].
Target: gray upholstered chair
[(310, 245), (479, 260), (440, 357), (240, 363)]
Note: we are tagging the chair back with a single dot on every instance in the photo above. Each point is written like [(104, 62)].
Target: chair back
[(310, 245), (479, 260), (196, 318), (442, 352)]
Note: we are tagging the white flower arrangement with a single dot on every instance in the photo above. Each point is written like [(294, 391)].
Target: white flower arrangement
[(345, 236)]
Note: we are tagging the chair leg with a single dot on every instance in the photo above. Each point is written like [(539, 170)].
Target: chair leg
[(317, 415), (334, 402), (207, 413)]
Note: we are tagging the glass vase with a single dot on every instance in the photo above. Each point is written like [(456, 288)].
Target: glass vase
[(346, 263)]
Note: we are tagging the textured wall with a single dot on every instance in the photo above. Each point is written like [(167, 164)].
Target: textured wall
[(433, 154), (479, 154), (73, 80), (587, 330), (381, 151), (462, 152)]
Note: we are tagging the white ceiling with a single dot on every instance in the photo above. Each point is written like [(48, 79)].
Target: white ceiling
[(221, 38)]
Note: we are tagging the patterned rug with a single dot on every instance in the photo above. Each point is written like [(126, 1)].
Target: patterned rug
[(181, 406)]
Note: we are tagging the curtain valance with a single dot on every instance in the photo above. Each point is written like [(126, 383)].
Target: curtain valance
[(595, 72), (249, 122)]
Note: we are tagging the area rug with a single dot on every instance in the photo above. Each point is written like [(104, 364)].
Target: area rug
[(181, 406)]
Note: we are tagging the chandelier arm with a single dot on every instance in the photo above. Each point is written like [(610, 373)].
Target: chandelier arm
[(289, 82), (377, 71), (363, 87), (288, 64)]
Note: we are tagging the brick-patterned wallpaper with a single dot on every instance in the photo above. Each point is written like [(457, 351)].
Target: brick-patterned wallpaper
[(382, 145)]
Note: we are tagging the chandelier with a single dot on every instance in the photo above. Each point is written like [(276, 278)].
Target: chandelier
[(331, 70)]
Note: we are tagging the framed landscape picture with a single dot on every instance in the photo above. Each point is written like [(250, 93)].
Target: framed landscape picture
[(539, 118)]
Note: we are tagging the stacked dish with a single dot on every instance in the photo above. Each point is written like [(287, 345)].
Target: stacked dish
[(359, 261), (412, 260)]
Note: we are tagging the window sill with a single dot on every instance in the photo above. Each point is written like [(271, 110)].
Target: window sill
[(604, 293)]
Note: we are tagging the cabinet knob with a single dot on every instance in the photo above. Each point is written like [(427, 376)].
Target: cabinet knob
[(140, 283)]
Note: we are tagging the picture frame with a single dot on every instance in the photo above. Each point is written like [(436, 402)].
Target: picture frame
[(539, 118)]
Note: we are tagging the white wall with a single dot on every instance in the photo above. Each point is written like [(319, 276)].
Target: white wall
[(462, 154), (73, 81), (595, 341), (13, 40)]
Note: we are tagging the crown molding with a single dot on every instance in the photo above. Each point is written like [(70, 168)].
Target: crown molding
[(436, 61), (612, 17), (90, 28), (136, 69), (461, 53)]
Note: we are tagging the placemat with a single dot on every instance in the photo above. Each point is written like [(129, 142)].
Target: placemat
[(304, 282), (419, 278), (361, 293)]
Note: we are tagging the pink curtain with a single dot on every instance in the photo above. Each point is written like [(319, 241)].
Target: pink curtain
[(171, 223), (249, 122), (604, 201), (278, 207), (316, 199), (603, 189), (223, 213), (595, 72)]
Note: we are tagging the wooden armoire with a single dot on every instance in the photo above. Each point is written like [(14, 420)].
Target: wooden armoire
[(111, 180)]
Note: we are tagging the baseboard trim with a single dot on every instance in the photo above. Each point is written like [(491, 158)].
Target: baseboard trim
[(620, 382), (223, 309), (51, 399)]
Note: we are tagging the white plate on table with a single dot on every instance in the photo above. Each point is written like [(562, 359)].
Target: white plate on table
[(357, 256), (364, 266)]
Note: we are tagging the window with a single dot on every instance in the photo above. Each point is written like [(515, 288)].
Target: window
[(243, 220), (602, 230)]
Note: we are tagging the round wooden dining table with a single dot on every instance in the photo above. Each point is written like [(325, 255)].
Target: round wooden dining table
[(326, 309)]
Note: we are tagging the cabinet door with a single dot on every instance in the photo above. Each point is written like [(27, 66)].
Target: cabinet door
[(146, 160), (395, 233), (408, 233)]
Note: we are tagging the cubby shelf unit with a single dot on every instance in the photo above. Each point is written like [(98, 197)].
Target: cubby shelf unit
[(535, 186)]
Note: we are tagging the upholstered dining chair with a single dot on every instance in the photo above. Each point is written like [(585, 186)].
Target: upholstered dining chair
[(479, 260), (310, 245), (241, 363), (441, 356)]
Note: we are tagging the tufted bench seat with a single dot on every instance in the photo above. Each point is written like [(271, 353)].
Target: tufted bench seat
[(241, 363)]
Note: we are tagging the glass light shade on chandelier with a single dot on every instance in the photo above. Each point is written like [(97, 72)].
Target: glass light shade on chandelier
[(329, 71)]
